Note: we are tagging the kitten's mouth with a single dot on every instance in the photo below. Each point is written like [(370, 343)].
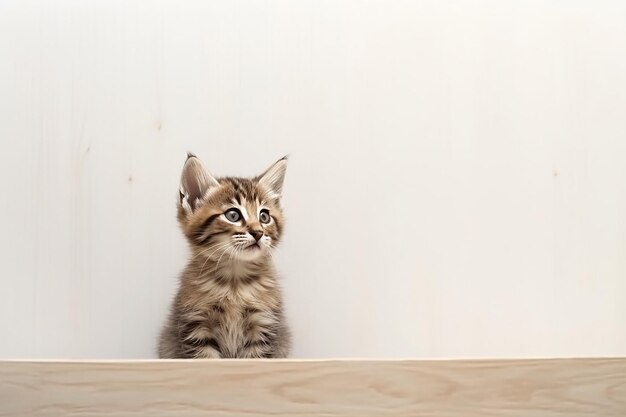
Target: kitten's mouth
[(253, 246)]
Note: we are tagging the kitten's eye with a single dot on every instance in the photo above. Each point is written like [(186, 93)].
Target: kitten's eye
[(233, 215), (264, 216)]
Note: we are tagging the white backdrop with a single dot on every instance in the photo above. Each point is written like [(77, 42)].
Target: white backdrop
[(456, 188)]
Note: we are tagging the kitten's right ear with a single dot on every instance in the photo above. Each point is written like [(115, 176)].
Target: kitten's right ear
[(195, 182)]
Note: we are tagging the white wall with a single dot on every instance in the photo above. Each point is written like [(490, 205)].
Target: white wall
[(456, 188)]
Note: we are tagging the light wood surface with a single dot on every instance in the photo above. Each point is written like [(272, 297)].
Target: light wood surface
[(528, 388)]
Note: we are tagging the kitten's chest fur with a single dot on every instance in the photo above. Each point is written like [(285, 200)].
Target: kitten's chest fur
[(228, 317), (240, 327)]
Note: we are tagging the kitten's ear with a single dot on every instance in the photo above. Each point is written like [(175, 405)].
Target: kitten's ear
[(273, 178), (195, 181)]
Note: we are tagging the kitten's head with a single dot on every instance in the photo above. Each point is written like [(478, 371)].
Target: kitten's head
[(231, 218)]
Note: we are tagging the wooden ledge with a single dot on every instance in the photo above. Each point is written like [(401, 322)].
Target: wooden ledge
[(359, 388)]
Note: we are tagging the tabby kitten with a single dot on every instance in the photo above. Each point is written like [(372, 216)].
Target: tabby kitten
[(228, 304)]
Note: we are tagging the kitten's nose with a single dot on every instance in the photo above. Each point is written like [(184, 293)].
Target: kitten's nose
[(256, 234)]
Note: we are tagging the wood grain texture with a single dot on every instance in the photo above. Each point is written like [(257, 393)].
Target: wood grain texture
[(528, 388)]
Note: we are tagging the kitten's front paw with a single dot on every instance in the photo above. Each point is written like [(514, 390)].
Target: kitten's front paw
[(207, 353)]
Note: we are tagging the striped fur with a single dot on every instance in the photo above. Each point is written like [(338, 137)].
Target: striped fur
[(228, 303)]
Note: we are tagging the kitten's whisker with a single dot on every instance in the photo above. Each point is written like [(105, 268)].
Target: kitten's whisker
[(223, 245), (230, 258), (205, 250), (220, 258)]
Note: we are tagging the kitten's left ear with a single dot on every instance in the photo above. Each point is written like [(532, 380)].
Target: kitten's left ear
[(273, 178)]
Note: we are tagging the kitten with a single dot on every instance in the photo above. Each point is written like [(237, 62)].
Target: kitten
[(228, 304)]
